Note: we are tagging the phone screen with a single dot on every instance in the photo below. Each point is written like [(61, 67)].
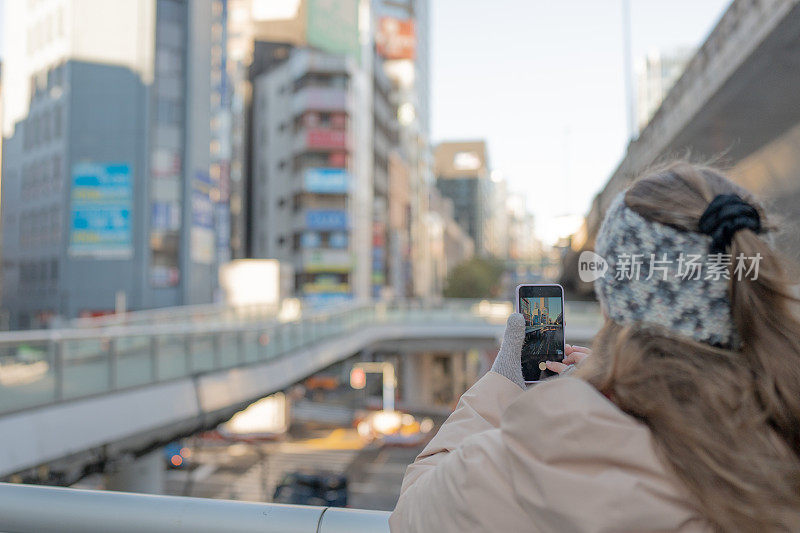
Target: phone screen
[(542, 306)]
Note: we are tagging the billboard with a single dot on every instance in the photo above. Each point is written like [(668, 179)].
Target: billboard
[(332, 26), (203, 239), (325, 260), (101, 197), (396, 38), (326, 180), (326, 219), (325, 138)]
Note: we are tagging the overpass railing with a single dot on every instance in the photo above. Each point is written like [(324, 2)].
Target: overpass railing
[(41, 367), (38, 509)]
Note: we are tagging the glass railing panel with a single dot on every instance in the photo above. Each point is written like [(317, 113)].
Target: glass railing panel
[(133, 360), (27, 375), (171, 358), (86, 366), (202, 353)]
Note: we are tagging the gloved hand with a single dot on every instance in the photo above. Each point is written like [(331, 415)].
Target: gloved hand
[(508, 362)]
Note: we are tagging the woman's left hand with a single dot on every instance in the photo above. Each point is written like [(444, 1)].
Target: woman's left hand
[(572, 356)]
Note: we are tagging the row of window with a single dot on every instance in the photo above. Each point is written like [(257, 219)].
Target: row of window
[(40, 227), (44, 80), (41, 177), (43, 126), (42, 271)]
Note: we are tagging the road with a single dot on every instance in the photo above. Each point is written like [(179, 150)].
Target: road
[(251, 471)]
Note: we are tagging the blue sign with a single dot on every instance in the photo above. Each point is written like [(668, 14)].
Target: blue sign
[(337, 239), (165, 216), (311, 239), (325, 299), (326, 219), (101, 196), (326, 180)]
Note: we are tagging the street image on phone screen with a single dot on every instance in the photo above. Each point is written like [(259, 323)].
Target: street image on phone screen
[(542, 307)]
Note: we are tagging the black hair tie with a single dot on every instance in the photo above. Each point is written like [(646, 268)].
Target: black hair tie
[(724, 216)]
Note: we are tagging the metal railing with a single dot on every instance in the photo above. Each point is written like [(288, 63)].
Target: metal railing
[(38, 509), (42, 367)]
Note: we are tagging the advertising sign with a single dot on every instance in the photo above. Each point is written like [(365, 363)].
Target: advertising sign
[(203, 240), (337, 239), (396, 38), (310, 239), (327, 261), (326, 180), (332, 26), (165, 216), (326, 219), (326, 299), (325, 138), (101, 197)]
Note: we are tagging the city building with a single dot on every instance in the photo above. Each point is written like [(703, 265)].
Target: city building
[(320, 182), (497, 223), (110, 194), (462, 175), (450, 244), (656, 73)]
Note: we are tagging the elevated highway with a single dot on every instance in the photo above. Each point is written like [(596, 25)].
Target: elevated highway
[(737, 103)]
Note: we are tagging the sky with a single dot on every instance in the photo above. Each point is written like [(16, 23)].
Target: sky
[(542, 81)]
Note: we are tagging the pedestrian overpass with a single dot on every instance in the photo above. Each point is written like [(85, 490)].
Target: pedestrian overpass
[(73, 398), (89, 395)]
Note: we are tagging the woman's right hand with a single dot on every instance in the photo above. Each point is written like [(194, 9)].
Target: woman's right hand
[(572, 356)]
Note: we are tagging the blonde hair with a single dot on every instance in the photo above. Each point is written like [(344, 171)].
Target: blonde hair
[(727, 422)]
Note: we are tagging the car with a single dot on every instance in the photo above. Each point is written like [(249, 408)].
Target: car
[(323, 489)]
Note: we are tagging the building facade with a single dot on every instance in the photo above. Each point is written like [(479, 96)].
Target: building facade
[(108, 194), (320, 182), (462, 175)]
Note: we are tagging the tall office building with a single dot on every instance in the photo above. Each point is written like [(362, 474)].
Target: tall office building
[(462, 175), (113, 126)]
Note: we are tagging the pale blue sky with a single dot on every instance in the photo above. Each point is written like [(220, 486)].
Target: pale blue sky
[(542, 82)]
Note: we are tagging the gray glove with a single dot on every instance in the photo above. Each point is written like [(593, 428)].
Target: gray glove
[(508, 362)]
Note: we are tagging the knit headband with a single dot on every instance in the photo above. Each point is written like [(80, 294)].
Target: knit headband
[(662, 277)]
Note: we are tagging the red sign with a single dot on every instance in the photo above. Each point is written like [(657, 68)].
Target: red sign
[(320, 138), (358, 378), (337, 159), (396, 38)]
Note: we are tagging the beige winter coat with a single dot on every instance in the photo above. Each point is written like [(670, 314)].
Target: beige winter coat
[(558, 457)]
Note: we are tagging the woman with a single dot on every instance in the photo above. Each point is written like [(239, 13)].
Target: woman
[(685, 418)]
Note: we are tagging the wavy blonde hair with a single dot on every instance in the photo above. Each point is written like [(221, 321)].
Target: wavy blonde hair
[(727, 422)]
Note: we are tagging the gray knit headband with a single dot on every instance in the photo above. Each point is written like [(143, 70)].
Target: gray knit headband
[(685, 302)]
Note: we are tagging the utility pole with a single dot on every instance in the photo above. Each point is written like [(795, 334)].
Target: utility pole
[(627, 67)]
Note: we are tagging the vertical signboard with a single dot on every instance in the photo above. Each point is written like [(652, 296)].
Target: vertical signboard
[(332, 26), (203, 238), (396, 38), (101, 197), (326, 180)]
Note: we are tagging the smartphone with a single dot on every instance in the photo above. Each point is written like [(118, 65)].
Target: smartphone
[(542, 306)]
